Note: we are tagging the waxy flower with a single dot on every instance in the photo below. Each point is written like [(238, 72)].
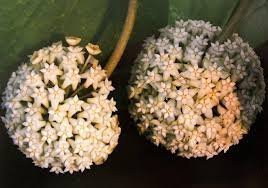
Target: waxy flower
[(55, 95), (194, 95), (71, 77), (50, 73), (54, 115)]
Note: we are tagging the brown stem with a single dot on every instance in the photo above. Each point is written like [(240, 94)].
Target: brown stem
[(122, 42), (233, 22)]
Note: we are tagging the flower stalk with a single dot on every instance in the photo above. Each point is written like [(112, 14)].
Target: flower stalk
[(124, 37)]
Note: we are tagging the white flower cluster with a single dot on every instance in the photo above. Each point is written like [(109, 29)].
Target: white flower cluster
[(192, 94), (58, 111)]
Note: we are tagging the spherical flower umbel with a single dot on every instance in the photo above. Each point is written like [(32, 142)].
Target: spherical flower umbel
[(58, 109), (192, 94)]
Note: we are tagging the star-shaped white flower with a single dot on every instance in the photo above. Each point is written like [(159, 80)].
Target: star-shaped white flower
[(213, 72), (49, 134), (40, 96), (149, 43), (205, 86), (156, 139), (236, 131), (112, 105), (56, 167), (141, 107), (99, 100), (169, 110), (40, 56), (229, 63), (67, 63), (23, 93), (82, 127), (34, 80), (81, 146), (157, 60), (163, 87), (185, 96), (162, 43), (193, 56), (64, 129), (205, 106), (179, 81), (133, 92), (57, 114), (195, 26), (56, 52), (180, 35), (33, 109), (84, 162), (225, 86), (231, 102), (105, 87), (70, 165), (71, 77), (189, 118), (32, 137), (34, 123), (212, 128), (175, 52), (93, 76), (90, 112), (214, 96), (239, 72), (169, 68), (192, 72), (160, 129), (153, 76), (23, 69), (61, 148), (35, 150), (18, 137), (50, 73), (107, 135), (55, 96), (227, 118), (151, 104), (73, 105), (216, 48), (210, 30), (200, 42)]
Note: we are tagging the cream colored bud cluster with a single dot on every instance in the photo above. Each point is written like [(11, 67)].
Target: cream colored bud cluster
[(192, 94), (58, 111)]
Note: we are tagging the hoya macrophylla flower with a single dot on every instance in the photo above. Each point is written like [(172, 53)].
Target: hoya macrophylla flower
[(58, 109), (192, 94)]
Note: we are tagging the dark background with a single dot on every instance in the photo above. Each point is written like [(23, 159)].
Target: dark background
[(138, 163)]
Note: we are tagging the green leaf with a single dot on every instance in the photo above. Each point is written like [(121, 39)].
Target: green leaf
[(151, 16), (252, 26), (215, 11)]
